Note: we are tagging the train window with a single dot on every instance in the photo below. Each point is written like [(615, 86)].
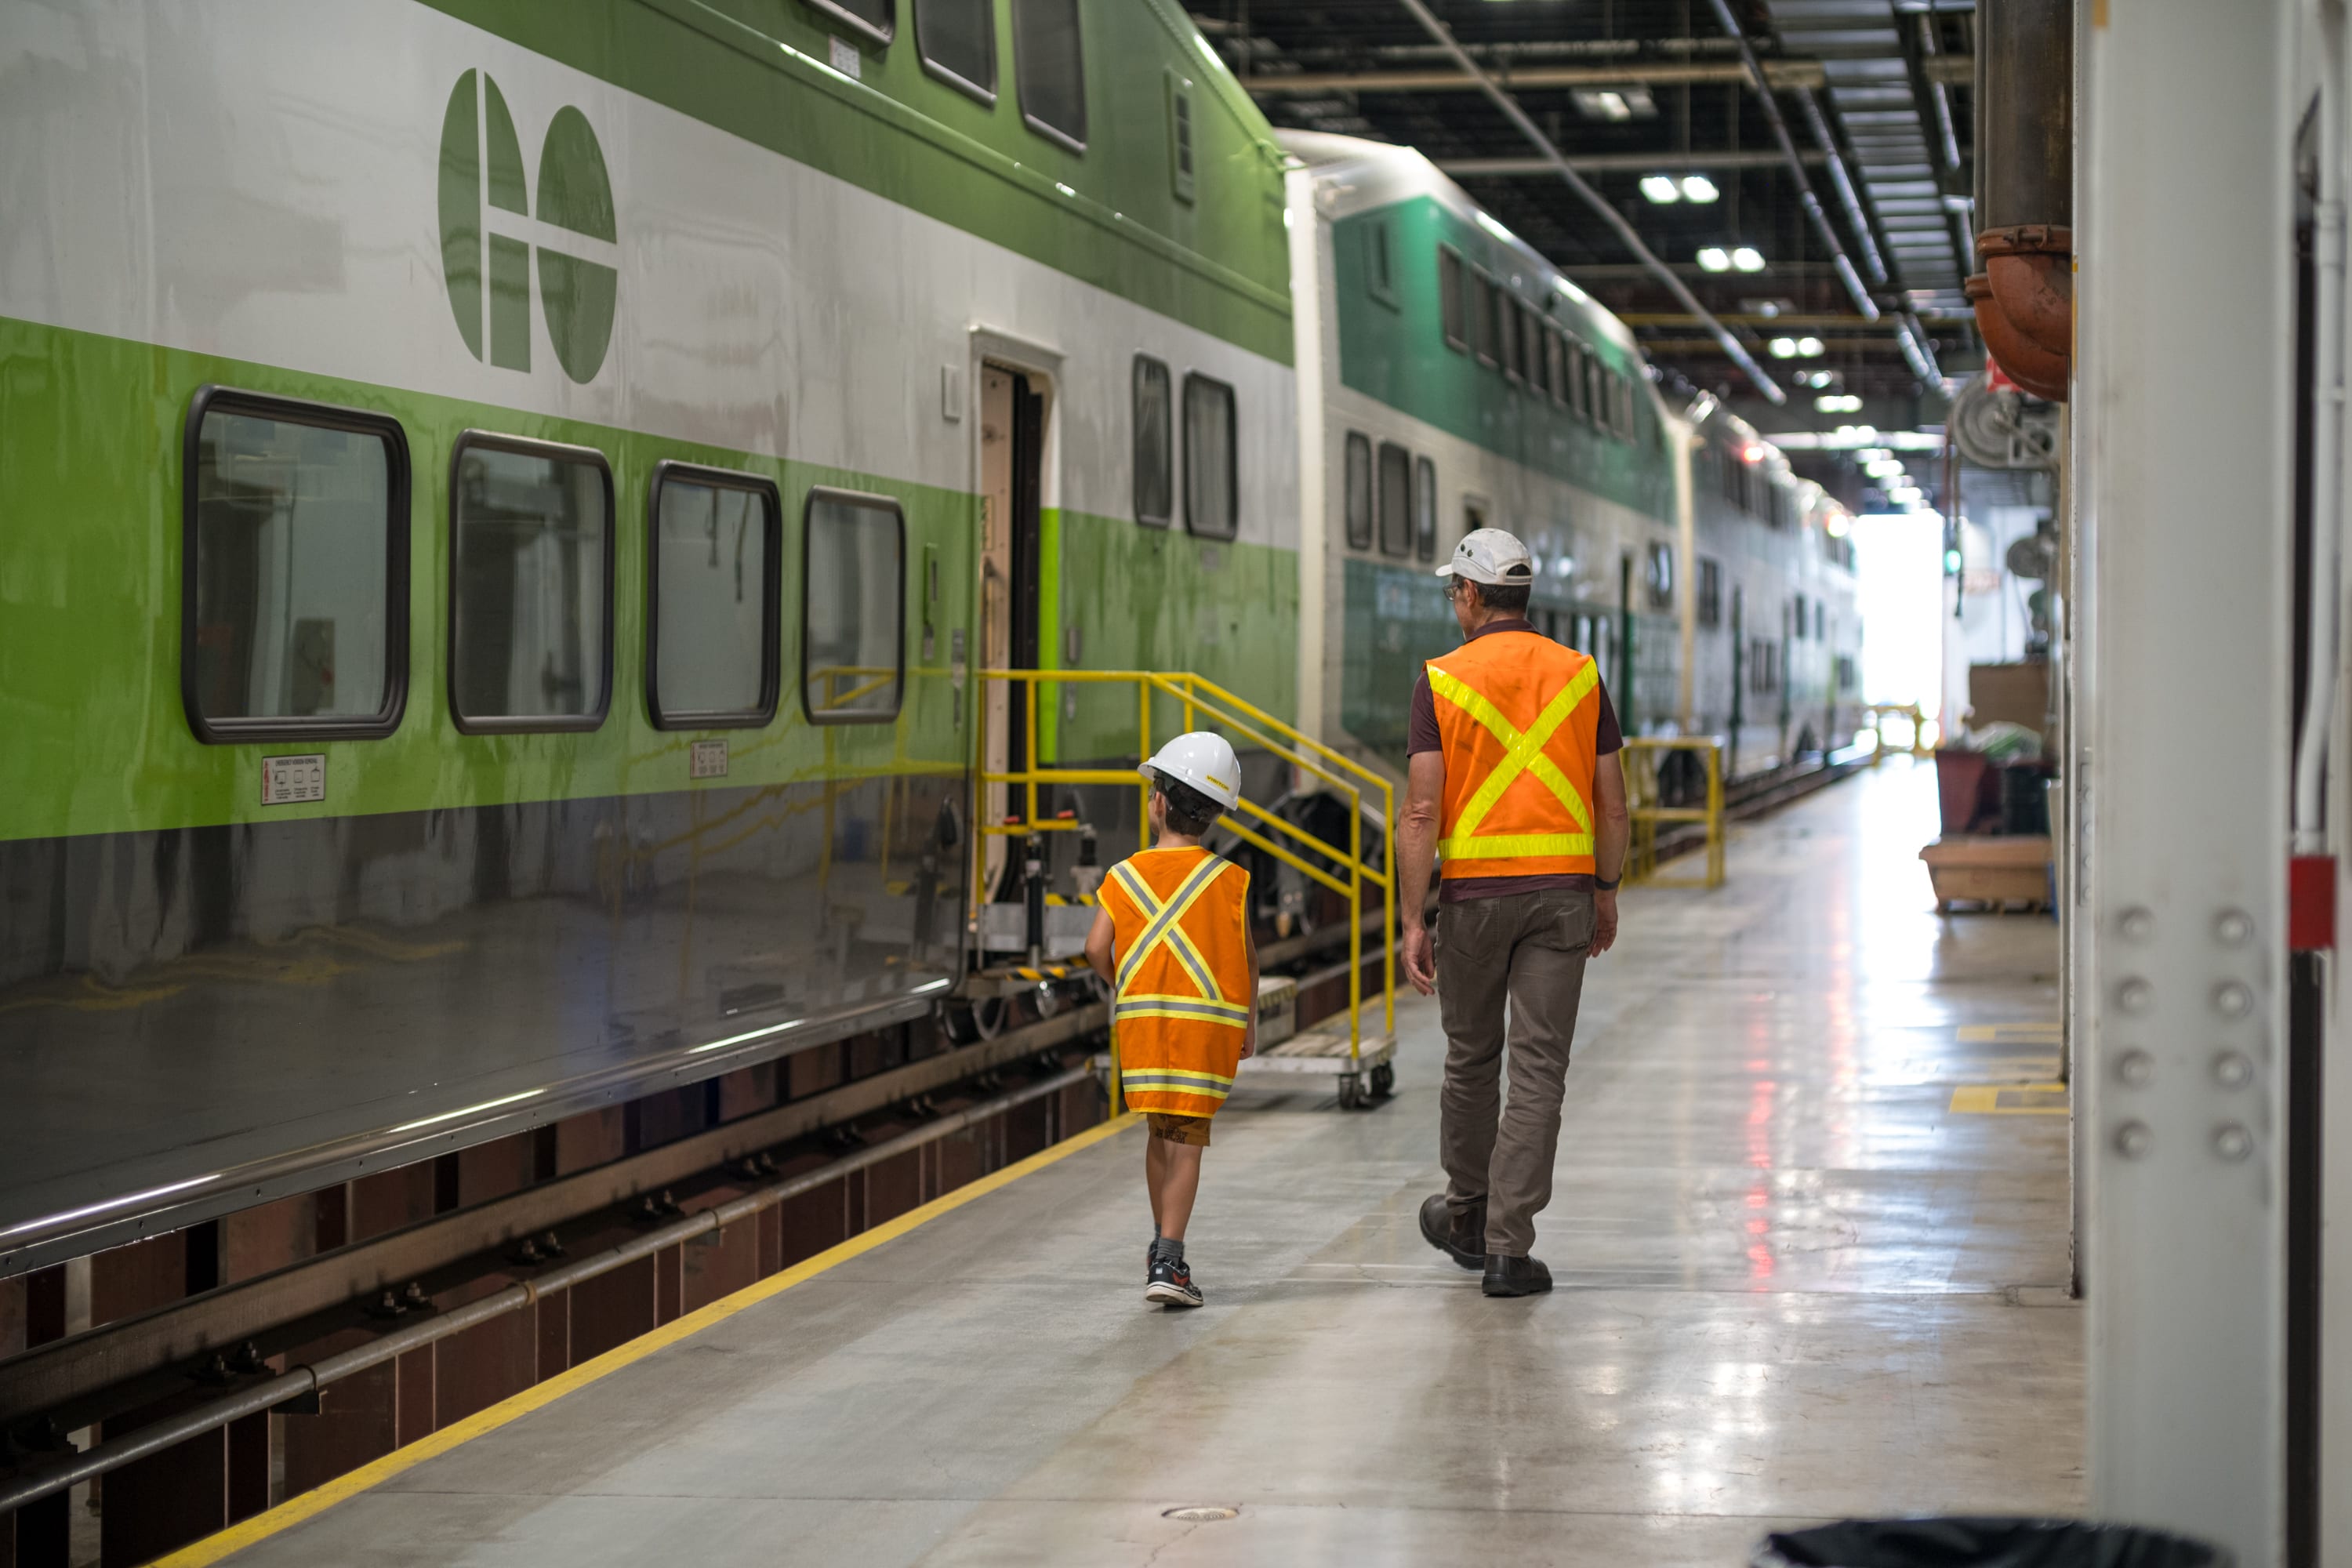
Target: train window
[(877, 19), (1507, 332), (1211, 474), (1424, 509), (530, 585), (1596, 383), (956, 41), (1050, 65), (1796, 614), (714, 549), (1578, 402), (1378, 280), (853, 607), (294, 593), (1155, 443), (1710, 592), (1481, 315), (1359, 497), (1531, 348), (1180, 136), (1658, 575), (1555, 366), (1396, 499), (1451, 299), (1820, 621)]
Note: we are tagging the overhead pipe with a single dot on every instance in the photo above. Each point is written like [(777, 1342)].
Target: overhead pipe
[(2024, 297), (1812, 204), (1818, 123), (1518, 116)]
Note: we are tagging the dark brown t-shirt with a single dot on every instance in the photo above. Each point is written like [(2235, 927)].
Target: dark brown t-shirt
[(1421, 735)]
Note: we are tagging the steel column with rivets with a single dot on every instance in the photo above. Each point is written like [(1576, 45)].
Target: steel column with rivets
[(2181, 777)]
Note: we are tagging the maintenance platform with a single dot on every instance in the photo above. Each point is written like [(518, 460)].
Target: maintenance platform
[(1794, 1282)]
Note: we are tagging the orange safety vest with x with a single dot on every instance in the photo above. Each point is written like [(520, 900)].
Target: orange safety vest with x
[(1518, 716), (1179, 919)]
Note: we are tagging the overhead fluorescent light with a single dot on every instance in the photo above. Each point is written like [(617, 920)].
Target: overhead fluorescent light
[(1661, 189), (1615, 104), (1715, 258), (1698, 188), (1838, 403), (1783, 348), (1807, 348), (1748, 259)]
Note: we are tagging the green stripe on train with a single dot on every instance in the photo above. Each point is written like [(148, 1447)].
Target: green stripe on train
[(96, 739), (1396, 354), (1108, 216)]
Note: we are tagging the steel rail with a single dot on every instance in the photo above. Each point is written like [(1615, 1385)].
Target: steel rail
[(1732, 346), (1812, 204), (296, 1382)]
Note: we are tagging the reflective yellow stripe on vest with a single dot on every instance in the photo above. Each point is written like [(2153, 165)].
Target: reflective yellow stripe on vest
[(1210, 1004), (1522, 754)]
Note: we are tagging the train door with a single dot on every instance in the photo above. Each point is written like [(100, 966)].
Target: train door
[(1012, 487)]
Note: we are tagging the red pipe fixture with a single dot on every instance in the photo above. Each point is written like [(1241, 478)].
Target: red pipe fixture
[(2024, 301)]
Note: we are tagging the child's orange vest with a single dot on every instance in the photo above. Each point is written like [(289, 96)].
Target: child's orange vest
[(1181, 916)]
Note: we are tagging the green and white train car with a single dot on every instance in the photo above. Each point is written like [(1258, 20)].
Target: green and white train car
[(1451, 379), (503, 500)]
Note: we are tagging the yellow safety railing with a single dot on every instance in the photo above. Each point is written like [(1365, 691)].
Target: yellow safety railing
[(1881, 712), (1643, 756), (1244, 721)]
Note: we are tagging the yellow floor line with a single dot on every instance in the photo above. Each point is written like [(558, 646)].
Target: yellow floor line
[(1984, 1099), (294, 1511)]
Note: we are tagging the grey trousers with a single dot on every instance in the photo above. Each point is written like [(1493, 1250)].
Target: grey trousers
[(1527, 948)]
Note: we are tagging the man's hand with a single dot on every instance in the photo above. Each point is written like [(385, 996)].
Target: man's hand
[(1249, 1039), (1604, 920), (1420, 961)]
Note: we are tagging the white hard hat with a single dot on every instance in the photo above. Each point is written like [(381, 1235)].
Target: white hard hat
[(1203, 760), (1491, 556)]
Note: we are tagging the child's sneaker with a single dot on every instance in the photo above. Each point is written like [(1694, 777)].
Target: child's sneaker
[(1171, 1283)]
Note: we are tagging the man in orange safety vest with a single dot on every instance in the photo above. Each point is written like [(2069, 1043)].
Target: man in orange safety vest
[(1513, 785)]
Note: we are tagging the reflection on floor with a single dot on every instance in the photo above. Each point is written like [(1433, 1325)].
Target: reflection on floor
[(1795, 1283)]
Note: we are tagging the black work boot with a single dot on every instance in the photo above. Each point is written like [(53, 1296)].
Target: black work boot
[(1461, 1238), (1515, 1276)]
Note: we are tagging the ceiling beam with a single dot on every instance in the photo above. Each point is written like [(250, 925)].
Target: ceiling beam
[(1783, 74), (1667, 162)]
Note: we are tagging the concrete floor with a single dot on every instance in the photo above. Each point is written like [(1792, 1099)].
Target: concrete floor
[(1794, 1285)]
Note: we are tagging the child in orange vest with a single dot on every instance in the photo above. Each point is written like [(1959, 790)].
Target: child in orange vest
[(1172, 934)]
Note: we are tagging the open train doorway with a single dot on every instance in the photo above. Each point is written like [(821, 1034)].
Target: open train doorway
[(1013, 406)]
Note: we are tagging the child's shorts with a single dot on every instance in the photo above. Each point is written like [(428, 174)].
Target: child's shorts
[(1191, 1129)]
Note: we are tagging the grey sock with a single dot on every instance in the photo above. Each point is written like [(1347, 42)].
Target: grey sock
[(1163, 1249)]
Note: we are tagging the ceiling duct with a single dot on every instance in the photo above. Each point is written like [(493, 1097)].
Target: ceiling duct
[(2024, 297), (1866, 77)]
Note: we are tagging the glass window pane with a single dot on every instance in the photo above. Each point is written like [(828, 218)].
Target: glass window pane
[(1050, 65), (1449, 298), (1531, 348), (1579, 392), (1481, 315), (530, 586), (1211, 484), (1396, 499), (872, 18), (1425, 511), (293, 531), (958, 38), (1155, 443), (715, 585), (1360, 492), (1556, 372), (853, 607), (1507, 335)]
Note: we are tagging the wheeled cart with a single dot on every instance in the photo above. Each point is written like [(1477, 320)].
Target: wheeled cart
[(1365, 1079)]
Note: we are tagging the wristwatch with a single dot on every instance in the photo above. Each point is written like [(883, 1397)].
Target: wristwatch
[(1604, 884)]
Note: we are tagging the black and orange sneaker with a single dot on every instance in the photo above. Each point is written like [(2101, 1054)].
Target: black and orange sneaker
[(1171, 1282)]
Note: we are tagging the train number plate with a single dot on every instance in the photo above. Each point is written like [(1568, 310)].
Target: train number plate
[(291, 781), (708, 760), (845, 58)]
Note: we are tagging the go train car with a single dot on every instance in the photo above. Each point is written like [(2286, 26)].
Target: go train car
[(1451, 379), (508, 499)]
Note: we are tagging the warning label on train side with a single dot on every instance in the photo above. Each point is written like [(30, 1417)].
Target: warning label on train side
[(293, 780), (708, 760)]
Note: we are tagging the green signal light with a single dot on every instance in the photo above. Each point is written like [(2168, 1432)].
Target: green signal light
[(1951, 563)]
